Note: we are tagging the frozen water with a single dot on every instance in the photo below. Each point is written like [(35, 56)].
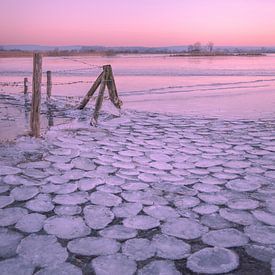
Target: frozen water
[(142, 222), (18, 180), (148, 178), (261, 233), (5, 201), (212, 180), (4, 188), (74, 174), (9, 241), (82, 163), (105, 199), (170, 247), (125, 210), (9, 216), (206, 163), (89, 184), (113, 264), (114, 180), (42, 251), (31, 223), (66, 227), (8, 170), (109, 189), (242, 185), (183, 228), (16, 266), (261, 253), (161, 165), (67, 210), (161, 212), (42, 203), (118, 232), (225, 238), (243, 204), (270, 205), (61, 269), (66, 188), (123, 165), (57, 179), (71, 199), (205, 208), (160, 157), (237, 216), (24, 193), (138, 249), (92, 246), (265, 217), (159, 268), (98, 217), (213, 261), (183, 202), (215, 221), (130, 153), (35, 173)]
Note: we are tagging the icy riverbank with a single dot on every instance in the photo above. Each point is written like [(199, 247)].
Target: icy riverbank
[(144, 193)]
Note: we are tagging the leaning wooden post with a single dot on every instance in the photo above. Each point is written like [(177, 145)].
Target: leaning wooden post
[(36, 95), (100, 96), (49, 84), (25, 85)]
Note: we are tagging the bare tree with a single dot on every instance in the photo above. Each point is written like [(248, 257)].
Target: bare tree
[(210, 46)]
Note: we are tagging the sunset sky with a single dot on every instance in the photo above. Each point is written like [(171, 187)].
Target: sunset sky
[(137, 23)]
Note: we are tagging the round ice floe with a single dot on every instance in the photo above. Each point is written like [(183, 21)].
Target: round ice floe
[(183, 202), (24, 193), (243, 204), (85, 164), (270, 205), (225, 176), (260, 252), (92, 246), (61, 269), (31, 223), (135, 186), (98, 217), (183, 228), (4, 188), (9, 216), (35, 173), (237, 164), (5, 201), (161, 165), (113, 189), (124, 165), (205, 208), (225, 238), (57, 179), (264, 216), (74, 174), (125, 210), (113, 264), (261, 233), (71, 199), (213, 261), (148, 178), (114, 180), (206, 163), (138, 249), (67, 210), (130, 153), (159, 267), (118, 232), (66, 227), (237, 216), (66, 188), (141, 222), (161, 212), (214, 198), (58, 159), (16, 266), (211, 180), (270, 174), (170, 247), (243, 185), (207, 188), (42, 251), (105, 199), (87, 184), (8, 170), (187, 213), (215, 221), (160, 157), (42, 203), (9, 241)]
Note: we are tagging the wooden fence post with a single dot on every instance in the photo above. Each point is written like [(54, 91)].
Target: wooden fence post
[(49, 84), (25, 85), (36, 95)]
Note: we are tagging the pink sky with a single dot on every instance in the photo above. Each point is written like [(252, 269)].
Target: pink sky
[(140, 22)]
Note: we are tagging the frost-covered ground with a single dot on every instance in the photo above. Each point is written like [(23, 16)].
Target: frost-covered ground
[(141, 194)]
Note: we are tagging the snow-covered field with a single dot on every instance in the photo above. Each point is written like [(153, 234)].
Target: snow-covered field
[(145, 193)]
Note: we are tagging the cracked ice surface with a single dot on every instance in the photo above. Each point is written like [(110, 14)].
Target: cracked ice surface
[(153, 191)]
